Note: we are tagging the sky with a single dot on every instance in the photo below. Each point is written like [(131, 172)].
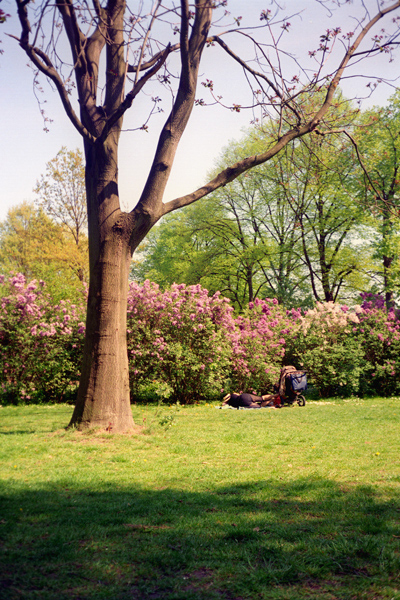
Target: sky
[(25, 147)]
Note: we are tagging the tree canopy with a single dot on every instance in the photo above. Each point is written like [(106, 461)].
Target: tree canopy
[(292, 228), (377, 143), (61, 191)]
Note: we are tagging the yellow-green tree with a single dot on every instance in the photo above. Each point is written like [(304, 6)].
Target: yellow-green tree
[(33, 244), (62, 194)]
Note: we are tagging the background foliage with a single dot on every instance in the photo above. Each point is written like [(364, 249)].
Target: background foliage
[(186, 345), (317, 223)]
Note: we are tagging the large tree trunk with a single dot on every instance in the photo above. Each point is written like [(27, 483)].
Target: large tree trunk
[(103, 397)]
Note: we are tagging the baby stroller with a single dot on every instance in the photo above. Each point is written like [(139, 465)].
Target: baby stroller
[(291, 385)]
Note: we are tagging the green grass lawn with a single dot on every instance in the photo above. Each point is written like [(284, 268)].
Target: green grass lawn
[(203, 504)]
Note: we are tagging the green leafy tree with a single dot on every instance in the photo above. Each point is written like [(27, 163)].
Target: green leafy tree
[(290, 229), (330, 222), (378, 150), (238, 241), (169, 253)]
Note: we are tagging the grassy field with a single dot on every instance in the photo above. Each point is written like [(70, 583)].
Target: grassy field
[(203, 504)]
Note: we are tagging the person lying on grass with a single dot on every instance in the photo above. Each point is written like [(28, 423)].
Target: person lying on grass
[(246, 400)]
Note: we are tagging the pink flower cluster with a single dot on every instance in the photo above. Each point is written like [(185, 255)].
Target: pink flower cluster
[(40, 340), (372, 301), (258, 345), (179, 336), (193, 340)]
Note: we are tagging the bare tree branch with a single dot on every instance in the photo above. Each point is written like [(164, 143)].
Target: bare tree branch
[(256, 74), (232, 172), (127, 102), (242, 166), (148, 64), (191, 50), (45, 66)]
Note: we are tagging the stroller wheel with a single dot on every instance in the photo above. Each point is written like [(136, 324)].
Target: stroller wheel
[(301, 401)]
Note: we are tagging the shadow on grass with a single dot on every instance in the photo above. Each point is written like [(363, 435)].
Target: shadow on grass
[(304, 539), (16, 432)]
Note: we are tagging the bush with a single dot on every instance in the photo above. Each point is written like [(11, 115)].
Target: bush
[(379, 334), (41, 344), (185, 345), (178, 338), (322, 343), (186, 339), (258, 346)]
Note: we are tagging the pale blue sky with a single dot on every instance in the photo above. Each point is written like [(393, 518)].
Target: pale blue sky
[(25, 147)]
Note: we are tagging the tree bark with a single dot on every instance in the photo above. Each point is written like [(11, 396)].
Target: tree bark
[(389, 300), (103, 397)]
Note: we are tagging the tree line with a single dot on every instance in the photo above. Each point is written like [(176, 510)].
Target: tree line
[(318, 223)]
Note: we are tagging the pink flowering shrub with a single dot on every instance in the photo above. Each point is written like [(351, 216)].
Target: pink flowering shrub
[(258, 346), (40, 343), (379, 333), (178, 337), (372, 301), (190, 341), (348, 351), (186, 345)]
